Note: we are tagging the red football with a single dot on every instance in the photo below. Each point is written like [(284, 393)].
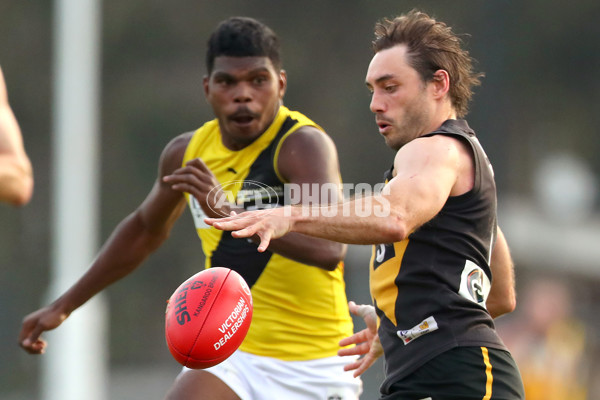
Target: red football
[(207, 317)]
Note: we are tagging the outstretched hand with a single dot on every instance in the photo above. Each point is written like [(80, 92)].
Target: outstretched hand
[(366, 342), (266, 224), (35, 324)]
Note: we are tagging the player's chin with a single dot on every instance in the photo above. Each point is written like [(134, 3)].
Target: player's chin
[(392, 142), (245, 132)]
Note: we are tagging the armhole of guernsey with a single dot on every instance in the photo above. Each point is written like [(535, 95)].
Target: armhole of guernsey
[(192, 146), (301, 121), (190, 153)]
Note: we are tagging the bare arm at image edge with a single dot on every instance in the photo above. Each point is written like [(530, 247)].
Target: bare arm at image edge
[(16, 175)]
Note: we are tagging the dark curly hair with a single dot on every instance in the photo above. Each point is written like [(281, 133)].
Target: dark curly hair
[(243, 37)]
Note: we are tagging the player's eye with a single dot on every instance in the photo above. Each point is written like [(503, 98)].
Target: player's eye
[(224, 81), (259, 80)]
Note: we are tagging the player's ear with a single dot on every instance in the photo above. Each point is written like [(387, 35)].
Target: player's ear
[(282, 83), (205, 82), (440, 83)]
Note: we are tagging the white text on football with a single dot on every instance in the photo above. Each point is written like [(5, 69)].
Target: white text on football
[(230, 326)]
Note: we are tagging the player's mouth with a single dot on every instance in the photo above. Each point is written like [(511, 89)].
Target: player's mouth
[(243, 117), (384, 125)]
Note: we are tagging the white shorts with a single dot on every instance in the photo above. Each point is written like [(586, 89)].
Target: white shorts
[(254, 377)]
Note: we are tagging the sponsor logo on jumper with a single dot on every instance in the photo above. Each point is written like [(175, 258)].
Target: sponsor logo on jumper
[(426, 326), (474, 284)]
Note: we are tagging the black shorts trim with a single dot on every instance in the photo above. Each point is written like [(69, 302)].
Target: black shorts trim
[(462, 373)]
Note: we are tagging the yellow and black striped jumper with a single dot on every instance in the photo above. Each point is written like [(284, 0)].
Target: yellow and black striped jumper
[(300, 311)]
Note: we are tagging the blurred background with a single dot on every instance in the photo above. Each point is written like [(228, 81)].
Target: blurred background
[(536, 114)]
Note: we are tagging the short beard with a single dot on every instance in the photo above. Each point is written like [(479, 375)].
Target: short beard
[(415, 120)]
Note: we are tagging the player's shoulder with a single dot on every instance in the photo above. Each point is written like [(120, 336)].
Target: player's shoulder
[(179, 143), (308, 144), (173, 153), (441, 142), (305, 151), (308, 138), (454, 146), (435, 150)]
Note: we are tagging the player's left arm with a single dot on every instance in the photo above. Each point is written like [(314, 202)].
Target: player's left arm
[(502, 297), (307, 157)]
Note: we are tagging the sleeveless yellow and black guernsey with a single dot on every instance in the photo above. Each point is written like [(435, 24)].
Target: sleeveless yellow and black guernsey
[(300, 311), (430, 289)]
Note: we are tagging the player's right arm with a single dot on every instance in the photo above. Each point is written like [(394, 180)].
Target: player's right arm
[(427, 171), (16, 174), (132, 241)]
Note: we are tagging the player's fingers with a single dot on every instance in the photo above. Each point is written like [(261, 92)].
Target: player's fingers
[(350, 340), (198, 163), (352, 307), (34, 334), (226, 224), (265, 239), (364, 365), (25, 343), (211, 221), (241, 231), (361, 310), (358, 337), (192, 167), (25, 330), (364, 310), (40, 346), (31, 342), (232, 222), (29, 327), (352, 366), (37, 347), (181, 175), (359, 349), (173, 175), (368, 314), (191, 180)]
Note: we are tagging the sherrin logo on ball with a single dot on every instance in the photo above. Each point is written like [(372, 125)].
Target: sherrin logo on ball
[(207, 317)]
